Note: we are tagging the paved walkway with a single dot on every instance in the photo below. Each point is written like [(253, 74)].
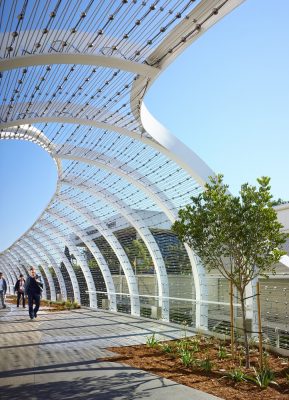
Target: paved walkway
[(56, 357)]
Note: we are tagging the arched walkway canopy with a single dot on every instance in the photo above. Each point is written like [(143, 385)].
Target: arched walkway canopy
[(73, 77)]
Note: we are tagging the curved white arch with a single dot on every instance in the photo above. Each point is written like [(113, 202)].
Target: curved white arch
[(202, 17), (200, 171), (160, 139), (197, 269), (134, 219), (8, 276), (52, 261), (117, 248), (23, 270), (79, 59), (130, 175), (48, 226), (81, 260), (22, 252), (96, 254), (21, 131), (206, 14), (177, 150), (31, 134), (171, 215)]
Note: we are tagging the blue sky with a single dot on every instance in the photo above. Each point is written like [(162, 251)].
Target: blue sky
[(28, 180), (226, 97)]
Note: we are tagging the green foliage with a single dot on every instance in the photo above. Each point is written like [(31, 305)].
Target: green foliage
[(222, 353), (238, 236), (279, 201), (167, 348), (183, 345), (237, 375), (187, 358), (68, 304), (233, 234), (92, 264), (152, 341), (195, 345), (263, 378), (75, 305), (206, 364)]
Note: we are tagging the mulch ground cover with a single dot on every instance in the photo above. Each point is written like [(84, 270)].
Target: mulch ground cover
[(209, 371)]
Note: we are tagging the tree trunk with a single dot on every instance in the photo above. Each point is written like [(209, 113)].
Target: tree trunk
[(246, 343), (259, 325), (232, 319)]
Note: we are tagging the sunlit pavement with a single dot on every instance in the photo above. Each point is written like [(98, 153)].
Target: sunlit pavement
[(56, 357)]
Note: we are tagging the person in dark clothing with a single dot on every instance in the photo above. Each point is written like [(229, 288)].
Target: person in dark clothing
[(33, 289), (3, 290), (19, 288)]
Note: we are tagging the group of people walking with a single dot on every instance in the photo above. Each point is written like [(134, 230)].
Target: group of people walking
[(32, 288)]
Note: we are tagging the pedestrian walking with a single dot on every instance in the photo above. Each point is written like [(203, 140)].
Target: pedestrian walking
[(33, 289), (3, 290), (19, 288)]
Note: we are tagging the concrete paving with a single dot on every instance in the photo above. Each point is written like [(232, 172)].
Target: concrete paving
[(57, 356)]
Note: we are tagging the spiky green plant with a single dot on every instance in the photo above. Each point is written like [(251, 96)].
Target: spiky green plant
[(187, 358), (262, 378), (152, 341), (237, 375)]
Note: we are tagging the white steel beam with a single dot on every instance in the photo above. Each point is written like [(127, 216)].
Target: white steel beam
[(124, 171), (15, 262), (147, 187), (56, 236), (140, 226), (7, 275), (51, 260), (78, 59), (115, 245), (96, 254)]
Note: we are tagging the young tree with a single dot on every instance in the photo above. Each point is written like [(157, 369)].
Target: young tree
[(238, 236)]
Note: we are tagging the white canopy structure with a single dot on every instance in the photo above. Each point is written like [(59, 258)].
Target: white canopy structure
[(73, 78)]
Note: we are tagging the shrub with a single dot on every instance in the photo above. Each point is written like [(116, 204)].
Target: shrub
[(206, 364), (187, 358), (222, 353), (167, 348), (75, 305), (237, 375), (183, 345), (68, 304), (152, 341), (263, 378), (195, 345)]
